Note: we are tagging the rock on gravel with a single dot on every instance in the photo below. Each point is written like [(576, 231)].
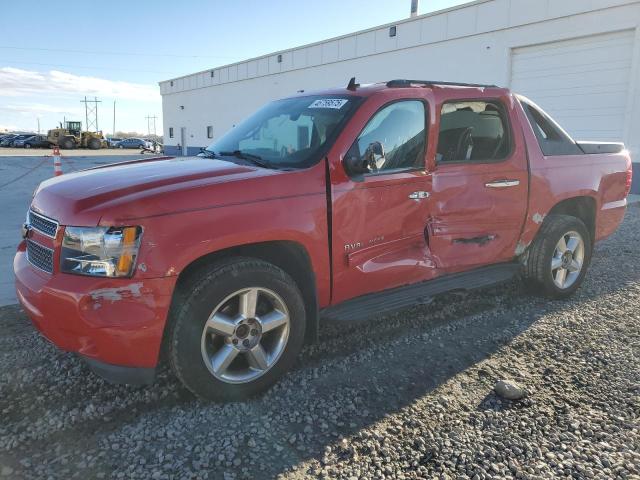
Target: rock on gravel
[(509, 389), (407, 396), (6, 471)]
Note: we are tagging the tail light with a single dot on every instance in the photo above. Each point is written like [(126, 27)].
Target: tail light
[(629, 177)]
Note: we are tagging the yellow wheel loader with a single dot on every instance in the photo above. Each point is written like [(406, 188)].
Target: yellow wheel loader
[(71, 136)]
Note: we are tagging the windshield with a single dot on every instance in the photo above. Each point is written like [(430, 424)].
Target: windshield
[(293, 132)]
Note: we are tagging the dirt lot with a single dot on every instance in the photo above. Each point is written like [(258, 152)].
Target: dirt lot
[(405, 396)]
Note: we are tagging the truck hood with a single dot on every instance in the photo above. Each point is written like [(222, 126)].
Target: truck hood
[(120, 193)]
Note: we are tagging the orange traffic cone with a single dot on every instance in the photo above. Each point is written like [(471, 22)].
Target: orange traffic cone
[(57, 164)]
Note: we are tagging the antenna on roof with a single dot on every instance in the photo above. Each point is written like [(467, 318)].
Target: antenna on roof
[(352, 84)]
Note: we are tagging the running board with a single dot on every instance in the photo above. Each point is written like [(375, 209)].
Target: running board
[(388, 301)]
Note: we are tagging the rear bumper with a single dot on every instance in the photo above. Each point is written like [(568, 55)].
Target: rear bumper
[(110, 322)]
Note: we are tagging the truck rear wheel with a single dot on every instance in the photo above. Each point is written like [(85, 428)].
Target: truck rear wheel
[(559, 256), (238, 329), (94, 144)]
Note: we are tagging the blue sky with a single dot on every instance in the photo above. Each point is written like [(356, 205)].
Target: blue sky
[(119, 50)]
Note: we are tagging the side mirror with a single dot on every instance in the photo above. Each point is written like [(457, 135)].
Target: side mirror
[(374, 148), (370, 162)]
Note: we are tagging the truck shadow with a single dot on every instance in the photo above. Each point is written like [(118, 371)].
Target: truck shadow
[(358, 375)]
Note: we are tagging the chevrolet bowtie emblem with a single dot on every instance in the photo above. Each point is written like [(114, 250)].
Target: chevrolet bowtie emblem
[(26, 230)]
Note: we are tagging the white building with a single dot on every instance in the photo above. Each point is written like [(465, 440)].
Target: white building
[(578, 59)]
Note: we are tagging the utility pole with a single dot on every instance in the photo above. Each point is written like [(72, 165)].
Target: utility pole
[(114, 119), (148, 117), (91, 111), (38, 125)]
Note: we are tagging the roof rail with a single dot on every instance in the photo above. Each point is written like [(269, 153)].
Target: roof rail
[(430, 83)]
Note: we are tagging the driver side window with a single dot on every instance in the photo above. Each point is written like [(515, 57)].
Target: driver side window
[(395, 137)]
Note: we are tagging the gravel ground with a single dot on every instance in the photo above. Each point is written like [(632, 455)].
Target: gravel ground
[(404, 396)]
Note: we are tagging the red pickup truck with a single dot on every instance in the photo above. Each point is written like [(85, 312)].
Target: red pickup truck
[(334, 206)]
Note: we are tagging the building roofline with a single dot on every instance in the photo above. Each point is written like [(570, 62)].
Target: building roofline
[(332, 39)]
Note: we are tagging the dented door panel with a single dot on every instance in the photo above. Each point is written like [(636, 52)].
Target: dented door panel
[(378, 221), (379, 236), (478, 209)]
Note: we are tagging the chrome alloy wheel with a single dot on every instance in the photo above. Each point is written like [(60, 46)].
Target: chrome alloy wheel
[(567, 260), (245, 335)]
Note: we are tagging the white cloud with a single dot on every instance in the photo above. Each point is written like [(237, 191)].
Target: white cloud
[(17, 82), (41, 109)]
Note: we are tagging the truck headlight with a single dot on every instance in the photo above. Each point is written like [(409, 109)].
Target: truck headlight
[(100, 251)]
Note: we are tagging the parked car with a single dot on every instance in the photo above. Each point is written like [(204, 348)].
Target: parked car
[(132, 143), (113, 141), (38, 141), (335, 206), (18, 138), (7, 140)]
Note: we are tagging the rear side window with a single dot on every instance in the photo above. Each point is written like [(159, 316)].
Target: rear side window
[(473, 131), (551, 138)]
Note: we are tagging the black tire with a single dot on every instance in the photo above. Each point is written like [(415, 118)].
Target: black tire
[(67, 144), (538, 269), (205, 290), (94, 144), (120, 146), (27, 145)]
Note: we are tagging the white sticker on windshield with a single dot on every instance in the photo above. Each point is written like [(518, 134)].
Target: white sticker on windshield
[(336, 103)]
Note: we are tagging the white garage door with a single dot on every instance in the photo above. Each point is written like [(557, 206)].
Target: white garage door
[(582, 83)]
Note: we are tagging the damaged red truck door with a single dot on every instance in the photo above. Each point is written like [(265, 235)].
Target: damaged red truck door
[(380, 219), (479, 196)]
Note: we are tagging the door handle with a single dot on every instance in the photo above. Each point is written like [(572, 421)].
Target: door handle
[(502, 183), (418, 195)]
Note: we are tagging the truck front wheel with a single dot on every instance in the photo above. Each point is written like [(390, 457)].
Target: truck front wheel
[(238, 329), (559, 256), (67, 144)]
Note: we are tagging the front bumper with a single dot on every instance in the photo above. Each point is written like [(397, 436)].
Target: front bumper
[(111, 322)]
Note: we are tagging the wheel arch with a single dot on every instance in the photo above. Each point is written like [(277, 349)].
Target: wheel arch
[(582, 207), (290, 256)]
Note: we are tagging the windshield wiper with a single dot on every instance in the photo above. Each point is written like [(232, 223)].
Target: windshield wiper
[(255, 159), (207, 153)]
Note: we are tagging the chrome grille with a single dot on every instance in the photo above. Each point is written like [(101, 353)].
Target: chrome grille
[(39, 256), (43, 224)]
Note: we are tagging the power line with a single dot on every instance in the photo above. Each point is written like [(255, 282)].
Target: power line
[(87, 67), (96, 52)]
